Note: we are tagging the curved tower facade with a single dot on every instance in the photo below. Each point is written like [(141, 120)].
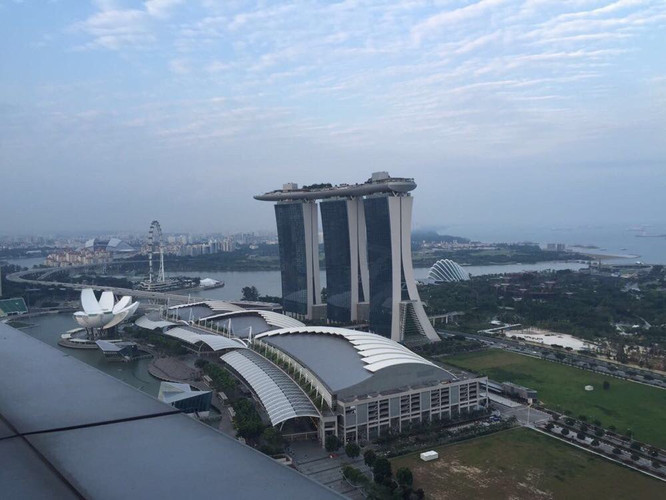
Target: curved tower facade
[(297, 227)]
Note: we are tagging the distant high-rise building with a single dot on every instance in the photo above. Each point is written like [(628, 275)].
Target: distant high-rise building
[(367, 247)]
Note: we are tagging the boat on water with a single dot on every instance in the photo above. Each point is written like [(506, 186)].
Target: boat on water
[(210, 284)]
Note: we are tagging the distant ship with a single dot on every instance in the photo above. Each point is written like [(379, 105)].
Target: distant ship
[(210, 284)]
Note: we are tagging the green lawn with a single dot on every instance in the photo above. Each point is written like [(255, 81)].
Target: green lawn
[(523, 464), (626, 404)]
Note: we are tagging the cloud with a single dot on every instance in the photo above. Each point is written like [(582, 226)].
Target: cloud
[(407, 83), (161, 8), (179, 66), (435, 24), (115, 29)]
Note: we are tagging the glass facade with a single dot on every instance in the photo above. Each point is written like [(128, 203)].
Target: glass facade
[(335, 223), (378, 225), (293, 262)]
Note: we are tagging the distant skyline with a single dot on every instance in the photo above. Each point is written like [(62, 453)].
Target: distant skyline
[(506, 112)]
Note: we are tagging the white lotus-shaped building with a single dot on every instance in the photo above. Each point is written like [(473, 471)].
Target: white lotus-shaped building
[(104, 313), (447, 271)]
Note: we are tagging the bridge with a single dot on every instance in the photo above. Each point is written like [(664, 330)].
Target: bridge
[(142, 294)]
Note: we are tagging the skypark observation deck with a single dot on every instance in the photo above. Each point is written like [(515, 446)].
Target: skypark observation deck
[(397, 185)]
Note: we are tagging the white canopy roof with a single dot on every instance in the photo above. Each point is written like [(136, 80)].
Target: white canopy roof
[(272, 318), (375, 351), (280, 396), (215, 342)]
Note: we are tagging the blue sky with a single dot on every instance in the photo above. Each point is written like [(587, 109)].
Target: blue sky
[(114, 113)]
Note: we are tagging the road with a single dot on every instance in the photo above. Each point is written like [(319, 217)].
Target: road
[(606, 447), (141, 294), (571, 359)]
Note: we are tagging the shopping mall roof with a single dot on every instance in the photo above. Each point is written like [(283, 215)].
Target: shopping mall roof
[(259, 320), (194, 336), (153, 323), (349, 362), (197, 310), (280, 396), (67, 430)]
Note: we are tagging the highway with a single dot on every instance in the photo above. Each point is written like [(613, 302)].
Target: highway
[(171, 298)]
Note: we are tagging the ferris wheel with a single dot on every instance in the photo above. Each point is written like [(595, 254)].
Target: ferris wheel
[(154, 245)]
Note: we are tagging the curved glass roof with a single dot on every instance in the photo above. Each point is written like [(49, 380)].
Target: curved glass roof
[(271, 318), (215, 342), (280, 396), (152, 324), (446, 271)]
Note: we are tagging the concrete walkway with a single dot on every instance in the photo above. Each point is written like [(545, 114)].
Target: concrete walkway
[(315, 462)]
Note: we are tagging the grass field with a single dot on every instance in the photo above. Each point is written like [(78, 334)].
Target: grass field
[(523, 464), (625, 405)]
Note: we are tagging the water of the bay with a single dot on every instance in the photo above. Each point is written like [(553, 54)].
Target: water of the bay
[(268, 282), (48, 329)]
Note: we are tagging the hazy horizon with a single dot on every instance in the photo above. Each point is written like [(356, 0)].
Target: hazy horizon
[(506, 112)]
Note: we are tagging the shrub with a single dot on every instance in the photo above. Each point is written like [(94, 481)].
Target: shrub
[(353, 475), (634, 457), (599, 432), (581, 435), (597, 422), (636, 445), (606, 385), (617, 451), (369, 458), (565, 432), (549, 426), (352, 450), (582, 418), (273, 440), (404, 476), (332, 443), (247, 421), (656, 464), (595, 442), (381, 470)]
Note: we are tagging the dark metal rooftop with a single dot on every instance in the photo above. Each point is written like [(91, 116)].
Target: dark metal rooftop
[(333, 359), (338, 365), (70, 431)]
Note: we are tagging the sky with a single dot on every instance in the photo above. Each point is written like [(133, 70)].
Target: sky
[(115, 113)]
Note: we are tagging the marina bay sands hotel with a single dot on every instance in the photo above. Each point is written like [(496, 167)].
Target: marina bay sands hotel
[(367, 248)]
